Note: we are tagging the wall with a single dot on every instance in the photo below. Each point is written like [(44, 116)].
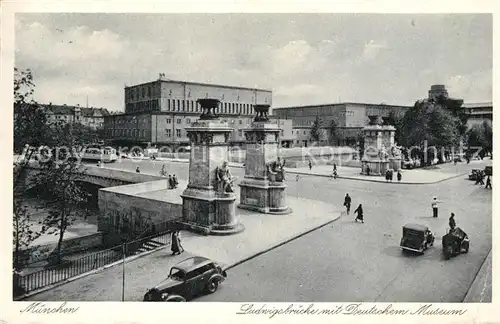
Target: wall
[(72, 245), (136, 207)]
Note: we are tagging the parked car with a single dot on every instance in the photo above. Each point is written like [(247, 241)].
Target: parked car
[(188, 279), (455, 242), (416, 238)]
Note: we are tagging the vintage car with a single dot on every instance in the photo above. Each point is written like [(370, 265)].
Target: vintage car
[(455, 242), (473, 174), (188, 279), (416, 238)]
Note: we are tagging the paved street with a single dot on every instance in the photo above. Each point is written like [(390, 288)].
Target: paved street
[(350, 261)]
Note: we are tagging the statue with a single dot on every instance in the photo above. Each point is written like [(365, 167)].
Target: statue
[(383, 153), (395, 152), (224, 179), (276, 170)]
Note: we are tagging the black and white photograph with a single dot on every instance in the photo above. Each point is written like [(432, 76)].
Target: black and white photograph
[(252, 158)]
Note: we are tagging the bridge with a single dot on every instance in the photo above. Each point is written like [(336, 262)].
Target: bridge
[(97, 176)]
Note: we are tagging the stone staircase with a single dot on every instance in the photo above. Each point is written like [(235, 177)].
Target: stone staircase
[(149, 246)]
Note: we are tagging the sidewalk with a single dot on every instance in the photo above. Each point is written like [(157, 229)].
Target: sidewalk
[(263, 232), (433, 174), (430, 175), (481, 289)]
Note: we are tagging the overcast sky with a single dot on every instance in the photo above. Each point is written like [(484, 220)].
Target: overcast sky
[(303, 58)]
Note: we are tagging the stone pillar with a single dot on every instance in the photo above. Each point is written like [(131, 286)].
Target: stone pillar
[(208, 202), (263, 189)]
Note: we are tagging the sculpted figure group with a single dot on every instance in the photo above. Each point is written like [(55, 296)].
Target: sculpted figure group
[(224, 179), (276, 170)]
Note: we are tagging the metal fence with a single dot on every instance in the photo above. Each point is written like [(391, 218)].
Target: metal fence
[(69, 268)]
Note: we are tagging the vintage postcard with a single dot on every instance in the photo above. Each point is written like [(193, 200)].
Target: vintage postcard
[(261, 165)]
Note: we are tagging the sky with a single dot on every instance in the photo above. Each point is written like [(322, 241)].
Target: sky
[(305, 59)]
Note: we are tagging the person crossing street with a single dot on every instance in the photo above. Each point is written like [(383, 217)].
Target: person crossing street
[(435, 206), (359, 211), (347, 203)]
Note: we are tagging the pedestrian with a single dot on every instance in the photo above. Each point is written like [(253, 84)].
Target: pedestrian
[(310, 165), (170, 182), (482, 176), (175, 246), (334, 167), (452, 222), (367, 170), (175, 182), (359, 211), (387, 176), (335, 174), (434, 205), (399, 176), (137, 170), (391, 175), (347, 203), (180, 241), (488, 183), (163, 172)]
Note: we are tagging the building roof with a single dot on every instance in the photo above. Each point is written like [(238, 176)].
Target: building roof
[(69, 110), (340, 104), (199, 83), (478, 104)]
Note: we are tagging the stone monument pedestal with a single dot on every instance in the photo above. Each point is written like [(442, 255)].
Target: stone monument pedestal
[(380, 152), (208, 202), (263, 188)]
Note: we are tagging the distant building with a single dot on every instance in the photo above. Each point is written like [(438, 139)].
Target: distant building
[(165, 95), (349, 117), (91, 117), (158, 112), (438, 90), (478, 112)]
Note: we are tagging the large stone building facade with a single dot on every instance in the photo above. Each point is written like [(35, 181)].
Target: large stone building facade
[(158, 112), (165, 95), (350, 119), (479, 112)]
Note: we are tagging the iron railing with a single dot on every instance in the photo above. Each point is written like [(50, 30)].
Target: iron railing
[(70, 268)]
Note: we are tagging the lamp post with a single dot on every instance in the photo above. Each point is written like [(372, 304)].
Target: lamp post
[(123, 272), (297, 180)]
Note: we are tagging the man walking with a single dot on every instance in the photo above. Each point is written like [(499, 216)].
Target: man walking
[(434, 205), (310, 165), (452, 222), (347, 203), (399, 176), (488, 183)]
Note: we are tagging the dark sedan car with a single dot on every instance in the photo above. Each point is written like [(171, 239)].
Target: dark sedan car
[(187, 279)]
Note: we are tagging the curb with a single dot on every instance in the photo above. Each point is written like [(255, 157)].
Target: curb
[(83, 275), (379, 181), (477, 280), (281, 243)]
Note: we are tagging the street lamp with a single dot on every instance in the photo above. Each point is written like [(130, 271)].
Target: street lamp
[(297, 180)]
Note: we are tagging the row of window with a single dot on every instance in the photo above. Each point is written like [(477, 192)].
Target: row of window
[(128, 132), (141, 92), (149, 105), (224, 107)]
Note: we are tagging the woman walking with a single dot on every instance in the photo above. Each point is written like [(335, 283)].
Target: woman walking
[(175, 244), (359, 211)]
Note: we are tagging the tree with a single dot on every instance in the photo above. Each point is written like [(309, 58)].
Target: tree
[(333, 132), (316, 131), (394, 120), (30, 121), (30, 128), (60, 176), (428, 124), (481, 135)]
